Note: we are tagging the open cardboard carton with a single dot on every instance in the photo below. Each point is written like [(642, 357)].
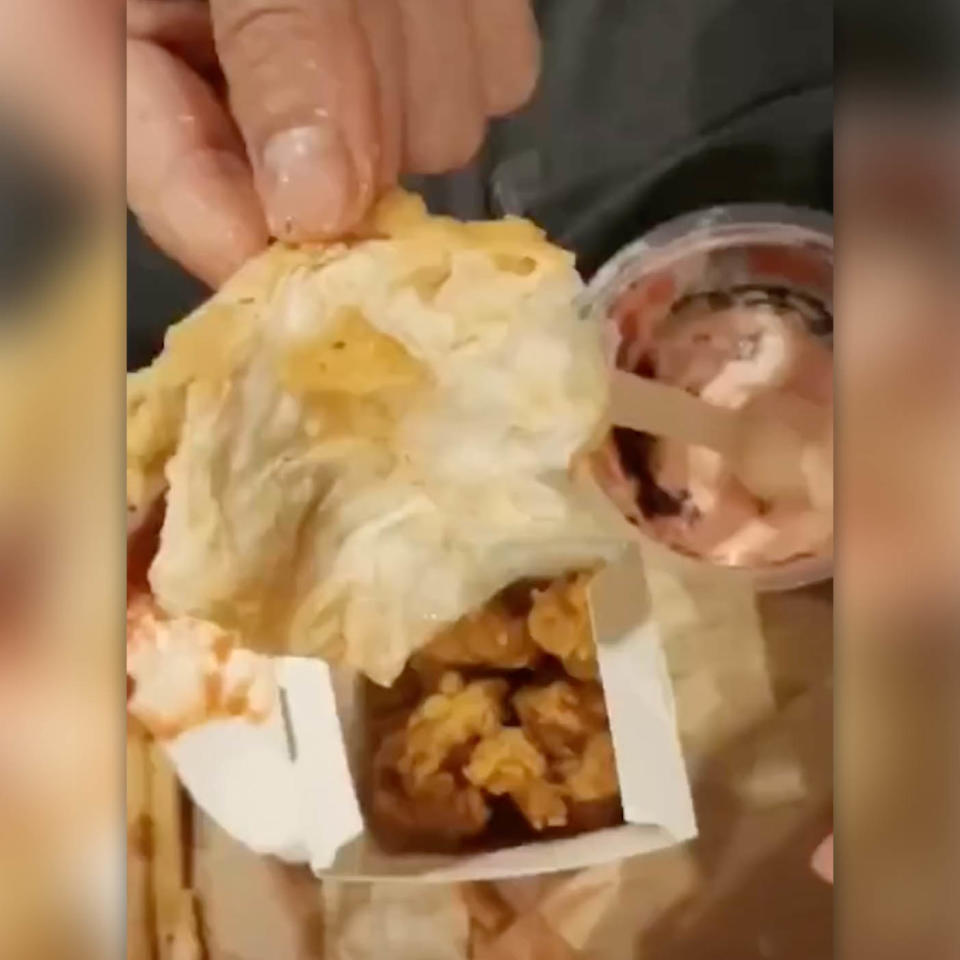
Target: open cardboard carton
[(285, 788)]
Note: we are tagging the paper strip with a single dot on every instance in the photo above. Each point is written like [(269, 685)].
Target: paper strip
[(241, 775), (330, 811), (653, 780), (666, 411)]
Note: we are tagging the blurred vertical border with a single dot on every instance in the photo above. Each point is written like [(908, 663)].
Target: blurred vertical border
[(898, 419), (61, 445)]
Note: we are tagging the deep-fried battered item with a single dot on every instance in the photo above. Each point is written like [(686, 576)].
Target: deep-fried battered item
[(492, 636), (454, 717), (559, 622), (315, 371), (593, 774), (582, 663), (435, 776), (568, 722), (589, 815), (183, 672), (419, 790), (508, 763), (559, 718), (441, 806)]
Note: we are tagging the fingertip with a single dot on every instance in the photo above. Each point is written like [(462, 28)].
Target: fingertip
[(207, 215), (523, 84), (822, 861), (309, 184), (509, 52)]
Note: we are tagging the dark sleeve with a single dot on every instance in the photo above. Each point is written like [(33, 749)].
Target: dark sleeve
[(645, 109), (159, 292)]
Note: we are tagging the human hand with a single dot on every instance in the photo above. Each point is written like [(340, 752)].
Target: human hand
[(822, 861), (251, 118)]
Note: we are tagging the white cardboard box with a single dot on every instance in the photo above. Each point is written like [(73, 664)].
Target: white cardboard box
[(284, 788)]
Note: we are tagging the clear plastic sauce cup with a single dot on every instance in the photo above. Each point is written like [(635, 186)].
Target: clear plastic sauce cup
[(747, 255)]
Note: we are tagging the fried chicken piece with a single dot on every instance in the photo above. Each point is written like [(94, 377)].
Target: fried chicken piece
[(182, 672), (440, 807), (585, 816), (454, 717), (592, 775), (508, 763), (420, 795), (560, 717), (559, 623), (568, 722), (492, 636)]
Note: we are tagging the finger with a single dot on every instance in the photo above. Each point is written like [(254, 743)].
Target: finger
[(302, 89), (188, 180), (444, 111), (380, 20), (822, 861), (182, 26), (508, 48)]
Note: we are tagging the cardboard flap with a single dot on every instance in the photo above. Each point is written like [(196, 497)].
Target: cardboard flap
[(281, 787), (242, 776), (330, 811), (654, 786)]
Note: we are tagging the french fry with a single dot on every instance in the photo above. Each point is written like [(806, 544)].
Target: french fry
[(174, 913), (139, 931), (183, 942)]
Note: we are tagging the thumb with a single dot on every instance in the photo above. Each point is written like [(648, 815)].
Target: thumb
[(302, 89)]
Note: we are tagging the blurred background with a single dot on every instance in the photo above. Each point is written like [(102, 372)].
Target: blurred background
[(898, 487), (61, 533)]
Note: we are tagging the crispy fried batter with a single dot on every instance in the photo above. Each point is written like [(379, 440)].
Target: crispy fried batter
[(492, 636), (440, 805), (508, 763), (455, 717), (559, 622), (553, 620), (560, 717), (419, 791), (436, 775), (592, 775), (328, 365), (568, 722)]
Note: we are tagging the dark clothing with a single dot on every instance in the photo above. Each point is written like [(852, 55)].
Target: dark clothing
[(645, 109)]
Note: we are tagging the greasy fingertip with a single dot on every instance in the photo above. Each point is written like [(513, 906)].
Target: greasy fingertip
[(308, 183)]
